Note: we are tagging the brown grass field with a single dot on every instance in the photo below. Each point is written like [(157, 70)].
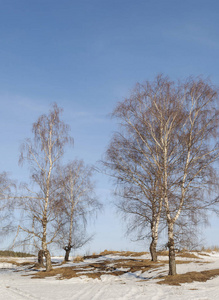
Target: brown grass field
[(190, 277), (127, 262)]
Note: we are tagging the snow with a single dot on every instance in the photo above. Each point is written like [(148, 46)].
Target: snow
[(16, 283)]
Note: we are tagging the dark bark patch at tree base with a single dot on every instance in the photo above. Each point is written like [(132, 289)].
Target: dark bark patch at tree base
[(189, 277)]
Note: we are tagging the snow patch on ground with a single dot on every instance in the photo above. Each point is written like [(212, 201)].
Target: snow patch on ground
[(129, 286)]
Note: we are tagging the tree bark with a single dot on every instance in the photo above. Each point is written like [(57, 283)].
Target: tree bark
[(172, 261), (48, 261), (67, 252), (40, 258), (153, 250)]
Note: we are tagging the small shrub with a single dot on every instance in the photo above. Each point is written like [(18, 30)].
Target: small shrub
[(210, 249), (132, 253), (78, 259), (187, 254), (107, 252)]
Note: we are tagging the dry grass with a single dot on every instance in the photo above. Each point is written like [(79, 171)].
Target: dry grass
[(122, 253), (26, 263), (95, 270), (14, 262), (183, 253), (107, 252), (9, 261), (122, 265), (204, 254), (210, 249), (78, 259), (162, 253), (65, 272), (186, 254), (130, 253), (134, 265), (181, 262), (190, 277)]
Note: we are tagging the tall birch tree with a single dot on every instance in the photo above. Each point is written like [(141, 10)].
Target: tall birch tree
[(174, 127), (138, 193), (7, 203), (43, 154), (78, 203)]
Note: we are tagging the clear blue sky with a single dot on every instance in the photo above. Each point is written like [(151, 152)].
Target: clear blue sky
[(87, 56)]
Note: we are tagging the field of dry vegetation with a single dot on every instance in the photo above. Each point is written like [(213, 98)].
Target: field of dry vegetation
[(117, 263)]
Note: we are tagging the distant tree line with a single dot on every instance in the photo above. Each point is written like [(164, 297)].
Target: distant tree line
[(9, 253)]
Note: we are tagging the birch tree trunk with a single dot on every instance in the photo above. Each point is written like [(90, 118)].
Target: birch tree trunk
[(67, 252), (172, 260), (48, 261), (44, 242), (153, 250), (154, 237), (40, 258)]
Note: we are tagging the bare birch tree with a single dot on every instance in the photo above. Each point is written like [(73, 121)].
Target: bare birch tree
[(78, 202), (187, 115), (7, 203), (138, 187), (43, 154), (176, 126)]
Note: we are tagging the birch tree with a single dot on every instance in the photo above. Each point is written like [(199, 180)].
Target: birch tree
[(43, 154), (138, 189), (187, 115), (78, 202), (7, 203), (175, 126)]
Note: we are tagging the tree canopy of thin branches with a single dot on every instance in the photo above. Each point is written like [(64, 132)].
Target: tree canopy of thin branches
[(78, 202), (164, 156)]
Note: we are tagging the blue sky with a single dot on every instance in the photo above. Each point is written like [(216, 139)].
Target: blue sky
[(87, 56)]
